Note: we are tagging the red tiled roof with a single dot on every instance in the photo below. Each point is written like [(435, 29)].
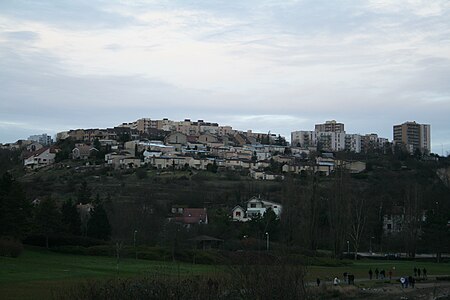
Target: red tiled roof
[(36, 153), (193, 216)]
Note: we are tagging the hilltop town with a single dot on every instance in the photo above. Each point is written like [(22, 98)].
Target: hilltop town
[(199, 145)]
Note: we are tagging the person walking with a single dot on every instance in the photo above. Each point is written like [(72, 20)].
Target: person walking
[(390, 275), (351, 279), (335, 281), (382, 273), (402, 281), (318, 281), (370, 274), (424, 273), (376, 273), (413, 282)]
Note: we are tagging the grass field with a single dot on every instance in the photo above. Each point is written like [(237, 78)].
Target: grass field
[(38, 272)]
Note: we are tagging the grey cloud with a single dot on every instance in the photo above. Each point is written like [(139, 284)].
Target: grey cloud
[(65, 13), (28, 36)]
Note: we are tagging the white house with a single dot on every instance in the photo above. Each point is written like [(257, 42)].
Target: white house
[(238, 213), (261, 175), (40, 158), (255, 207)]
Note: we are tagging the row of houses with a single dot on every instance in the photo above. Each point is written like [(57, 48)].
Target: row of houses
[(254, 208)]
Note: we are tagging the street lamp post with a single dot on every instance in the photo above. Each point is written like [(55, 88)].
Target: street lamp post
[(348, 247), (134, 238), (267, 240)]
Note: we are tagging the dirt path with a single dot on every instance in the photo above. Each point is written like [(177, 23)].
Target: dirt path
[(424, 291)]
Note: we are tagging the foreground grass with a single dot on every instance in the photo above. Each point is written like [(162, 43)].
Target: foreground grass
[(37, 272)]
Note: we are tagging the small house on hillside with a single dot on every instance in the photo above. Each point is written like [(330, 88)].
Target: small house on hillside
[(83, 151), (40, 158), (192, 216), (255, 207)]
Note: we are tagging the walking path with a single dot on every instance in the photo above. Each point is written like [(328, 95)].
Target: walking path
[(428, 289)]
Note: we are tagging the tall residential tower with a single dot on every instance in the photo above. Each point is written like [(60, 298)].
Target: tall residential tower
[(414, 136)]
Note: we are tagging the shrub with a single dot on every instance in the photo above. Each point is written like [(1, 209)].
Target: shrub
[(63, 240), (10, 247), (443, 278), (240, 282), (70, 250), (141, 173)]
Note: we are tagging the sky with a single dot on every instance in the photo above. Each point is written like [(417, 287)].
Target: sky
[(264, 65)]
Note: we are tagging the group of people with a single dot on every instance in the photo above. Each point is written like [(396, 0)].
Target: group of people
[(405, 281), (380, 274), (418, 272), (349, 278)]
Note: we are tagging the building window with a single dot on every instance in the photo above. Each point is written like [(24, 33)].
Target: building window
[(238, 214), (253, 205), (389, 226)]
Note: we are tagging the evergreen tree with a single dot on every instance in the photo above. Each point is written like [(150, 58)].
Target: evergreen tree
[(47, 219), (84, 193), (66, 146), (15, 210), (98, 224), (71, 218), (436, 234)]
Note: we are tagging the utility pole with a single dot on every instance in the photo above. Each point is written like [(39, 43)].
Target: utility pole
[(134, 238), (267, 235)]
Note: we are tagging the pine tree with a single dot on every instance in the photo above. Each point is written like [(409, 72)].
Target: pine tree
[(15, 210), (98, 224), (71, 218), (84, 193), (47, 219)]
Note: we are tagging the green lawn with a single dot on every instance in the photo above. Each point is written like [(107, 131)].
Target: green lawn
[(36, 272)]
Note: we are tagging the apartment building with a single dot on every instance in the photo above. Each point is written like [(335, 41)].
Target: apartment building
[(330, 126), (414, 135), (324, 140), (353, 142), (42, 139)]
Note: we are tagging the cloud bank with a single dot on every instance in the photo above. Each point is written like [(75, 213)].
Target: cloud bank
[(262, 65)]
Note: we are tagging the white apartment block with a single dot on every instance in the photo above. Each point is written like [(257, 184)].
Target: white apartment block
[(353, 142), (304, 139), (331, 141), (42, 139), (331, 136)]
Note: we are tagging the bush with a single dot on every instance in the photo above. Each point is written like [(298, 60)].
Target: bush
[(141, 173), (10, 247), (443, 278), (65, 240), (240, 282), (79, 250)]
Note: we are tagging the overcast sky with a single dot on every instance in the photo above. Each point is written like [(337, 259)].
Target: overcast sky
[(261, 65)]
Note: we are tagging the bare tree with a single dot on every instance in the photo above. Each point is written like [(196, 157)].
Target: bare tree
[(413, 217), (358, 217), (338, 209)]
